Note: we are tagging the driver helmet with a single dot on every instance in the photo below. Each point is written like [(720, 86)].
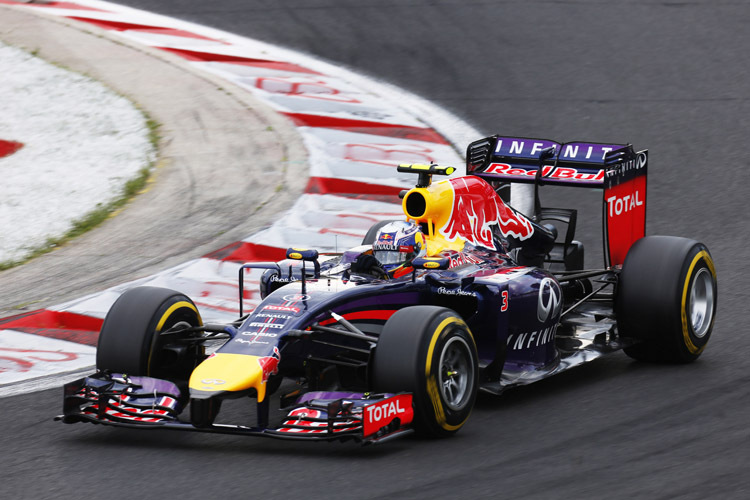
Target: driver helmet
[(396, 243)]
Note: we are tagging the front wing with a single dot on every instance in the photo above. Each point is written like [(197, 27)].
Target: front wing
[(147, 403)]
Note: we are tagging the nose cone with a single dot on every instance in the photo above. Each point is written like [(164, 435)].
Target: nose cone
[(224, 372)]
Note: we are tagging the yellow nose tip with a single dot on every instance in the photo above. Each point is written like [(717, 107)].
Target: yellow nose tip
[(224, 372)]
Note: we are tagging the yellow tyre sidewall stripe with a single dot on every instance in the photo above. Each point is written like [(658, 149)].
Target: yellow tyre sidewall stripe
[(177, 305), (688, 278), (173, 308), (432, 385)]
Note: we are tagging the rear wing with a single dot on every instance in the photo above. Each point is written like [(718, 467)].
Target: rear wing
[(517, 159), (615, 168)]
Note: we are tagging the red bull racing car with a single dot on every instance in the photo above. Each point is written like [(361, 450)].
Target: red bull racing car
[(464, 294)]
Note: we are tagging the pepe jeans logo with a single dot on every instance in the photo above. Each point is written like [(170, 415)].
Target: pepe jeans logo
[(548, 305), (252, 341), (276, 279), (455, 291)]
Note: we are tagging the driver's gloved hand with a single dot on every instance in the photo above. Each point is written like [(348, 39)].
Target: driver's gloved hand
[(367, 264)]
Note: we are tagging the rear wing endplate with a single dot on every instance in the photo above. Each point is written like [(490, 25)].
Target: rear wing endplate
[(624, 217)]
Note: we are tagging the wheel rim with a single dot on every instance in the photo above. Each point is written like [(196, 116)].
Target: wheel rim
[(702, 302), (456, 373)]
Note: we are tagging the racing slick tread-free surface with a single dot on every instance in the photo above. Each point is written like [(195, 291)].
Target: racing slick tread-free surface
[(653, 296), (408, 359), (128, 339)]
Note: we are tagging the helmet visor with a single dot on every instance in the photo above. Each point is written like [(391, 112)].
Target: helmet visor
[(392, 257)]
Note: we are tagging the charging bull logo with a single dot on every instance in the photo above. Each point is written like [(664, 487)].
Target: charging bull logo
[(270, 364), (476, 207)]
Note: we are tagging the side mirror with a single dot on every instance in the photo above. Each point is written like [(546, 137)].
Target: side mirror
[(302, 254), (431, 263)]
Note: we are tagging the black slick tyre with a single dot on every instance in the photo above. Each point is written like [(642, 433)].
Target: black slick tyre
[(130, 340), (666, 299), (430, 352)]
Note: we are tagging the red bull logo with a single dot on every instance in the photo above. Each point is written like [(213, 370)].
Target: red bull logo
[(270, 364), (549, 172), (476, 207)]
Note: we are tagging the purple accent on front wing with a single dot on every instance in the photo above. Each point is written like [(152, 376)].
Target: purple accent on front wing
[(150, 385), (329, 395)]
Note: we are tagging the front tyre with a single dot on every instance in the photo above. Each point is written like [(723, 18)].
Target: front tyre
[(430, 352), (667, 299), (131, 339)]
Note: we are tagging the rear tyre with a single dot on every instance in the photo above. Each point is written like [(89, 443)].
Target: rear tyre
[(130, 340), (430, 352), (667, 299)]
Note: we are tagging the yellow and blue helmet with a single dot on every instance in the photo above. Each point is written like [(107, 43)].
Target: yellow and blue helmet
[(398, 243)]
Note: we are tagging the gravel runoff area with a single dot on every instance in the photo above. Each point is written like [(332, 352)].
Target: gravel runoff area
[(82, 143)]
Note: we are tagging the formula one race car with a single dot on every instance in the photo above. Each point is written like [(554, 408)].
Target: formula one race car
[(464, 294)]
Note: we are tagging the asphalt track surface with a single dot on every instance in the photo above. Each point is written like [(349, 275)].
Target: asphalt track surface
[(665, 76)]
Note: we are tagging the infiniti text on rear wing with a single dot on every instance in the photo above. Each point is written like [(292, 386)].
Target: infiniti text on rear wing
[(516, 159), (615, 168)]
